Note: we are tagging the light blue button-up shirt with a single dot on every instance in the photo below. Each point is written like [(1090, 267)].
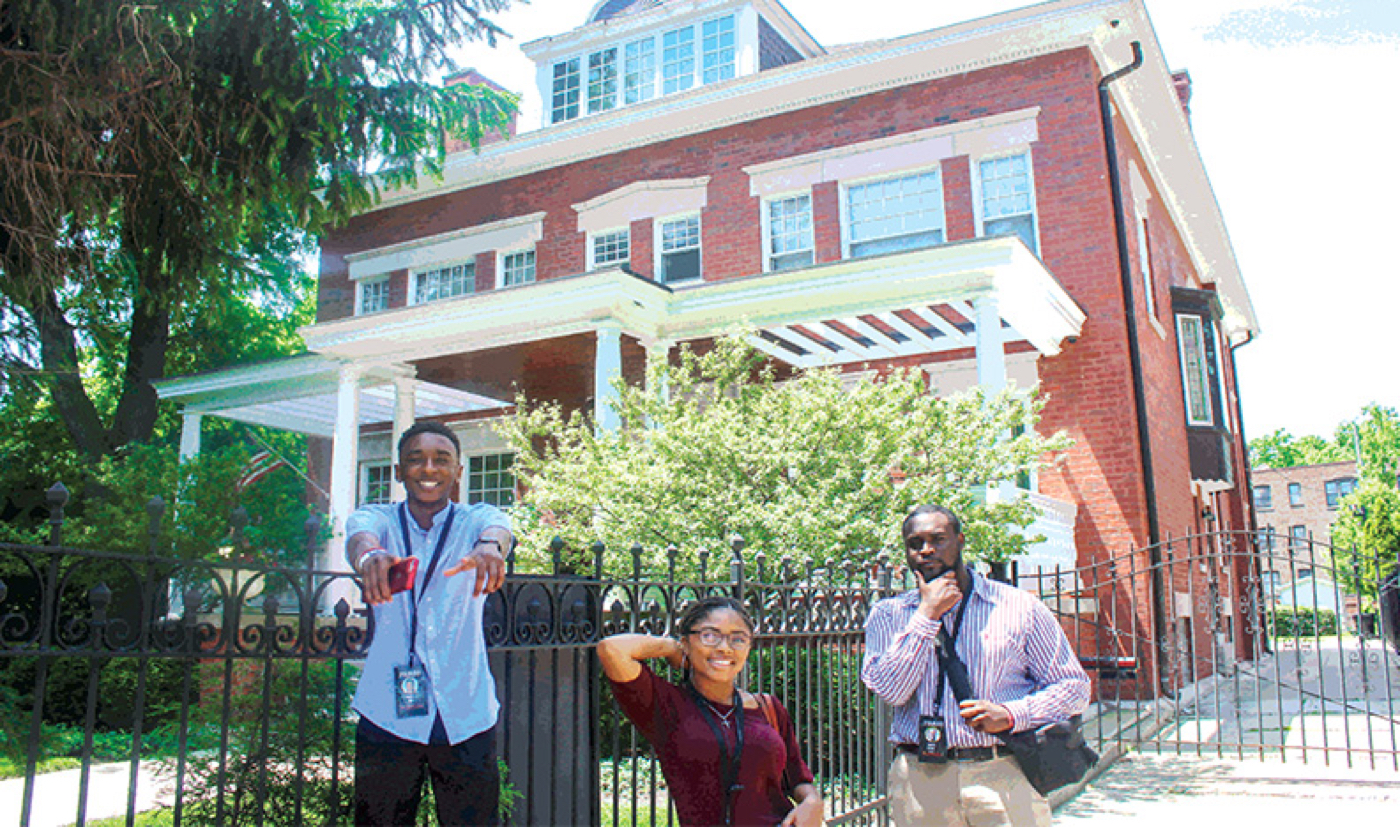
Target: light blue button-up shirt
[(450, 644)]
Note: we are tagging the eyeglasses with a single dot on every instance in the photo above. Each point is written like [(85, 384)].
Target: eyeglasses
[(714, 637), (918, 543)]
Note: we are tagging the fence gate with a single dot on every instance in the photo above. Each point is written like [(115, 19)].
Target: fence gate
[(1231, 645)]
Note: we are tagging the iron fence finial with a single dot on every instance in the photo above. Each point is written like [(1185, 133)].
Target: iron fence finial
[(57, 498)]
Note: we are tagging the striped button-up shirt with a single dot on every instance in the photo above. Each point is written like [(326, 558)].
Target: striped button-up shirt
[(1015, 651)]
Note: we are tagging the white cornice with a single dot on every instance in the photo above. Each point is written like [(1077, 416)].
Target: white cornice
[(455, 245), (643, 199)]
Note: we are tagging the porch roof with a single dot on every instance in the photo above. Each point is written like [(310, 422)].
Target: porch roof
[(844, 312), (299, 394)]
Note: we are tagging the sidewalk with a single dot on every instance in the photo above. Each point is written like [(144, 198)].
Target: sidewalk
[(56, 794), (1150, 790)]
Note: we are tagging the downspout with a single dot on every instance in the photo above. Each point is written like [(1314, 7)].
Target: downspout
[(1253, 519), (1149, 482)]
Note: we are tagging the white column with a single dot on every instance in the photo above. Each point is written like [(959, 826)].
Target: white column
[(658, 354), (991, 349), (345, 455), (189, 436), (607, 365), (405, 412)]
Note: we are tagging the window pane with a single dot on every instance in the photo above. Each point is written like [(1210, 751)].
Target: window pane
[(1190, 329), (374, 296), (638, 80), (445, 283), (717, 49), (677, 60), (899, 214), (680, 250), (790, 232), (610, 248), (518, 268), (1006, 194), (566, 91), (491, 480), (602, 80), (1263, 497), (1295, 494)]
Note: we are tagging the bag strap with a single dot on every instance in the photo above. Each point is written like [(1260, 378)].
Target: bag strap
[(765, 703)]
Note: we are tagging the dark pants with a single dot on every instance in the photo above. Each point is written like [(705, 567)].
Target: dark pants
[(389, 775)]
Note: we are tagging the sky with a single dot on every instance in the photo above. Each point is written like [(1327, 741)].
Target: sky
[(1293, 108)]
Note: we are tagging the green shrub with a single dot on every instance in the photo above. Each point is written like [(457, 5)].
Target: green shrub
[(1290, 621)]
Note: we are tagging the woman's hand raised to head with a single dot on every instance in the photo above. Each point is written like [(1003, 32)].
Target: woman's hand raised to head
[(622, 655)]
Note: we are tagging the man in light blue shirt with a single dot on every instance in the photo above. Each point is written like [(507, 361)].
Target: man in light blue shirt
[(426, 700)]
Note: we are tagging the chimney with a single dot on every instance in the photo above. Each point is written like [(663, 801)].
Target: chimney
[(490, 136), (1182, 81)]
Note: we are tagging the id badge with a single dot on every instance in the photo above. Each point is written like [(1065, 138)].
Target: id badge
[(933, 739), (410, 691)]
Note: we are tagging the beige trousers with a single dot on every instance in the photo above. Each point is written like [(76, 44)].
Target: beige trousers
[(964, 794)]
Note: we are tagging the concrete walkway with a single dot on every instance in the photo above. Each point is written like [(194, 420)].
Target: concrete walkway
[(56, 794), (1148, 790)]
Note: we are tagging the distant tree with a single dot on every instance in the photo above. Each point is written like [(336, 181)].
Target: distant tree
[(151, 153), (1366, 537), (1281, 449), (1377, 435), (813, 467)]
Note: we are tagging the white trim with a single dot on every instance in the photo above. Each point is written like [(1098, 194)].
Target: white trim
[(1205, 370), (625, 230), (445, 248), (766, 227), (362, 495), (415, 275), (360, 294), (844, 195), (895, 155), (501, 266), (642, 200)]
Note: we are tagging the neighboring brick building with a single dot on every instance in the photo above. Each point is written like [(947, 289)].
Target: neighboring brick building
[(1295, 508), (940, 200)]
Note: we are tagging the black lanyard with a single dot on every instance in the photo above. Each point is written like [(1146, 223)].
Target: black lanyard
[(729, 765), (413, 597), (948, 657)]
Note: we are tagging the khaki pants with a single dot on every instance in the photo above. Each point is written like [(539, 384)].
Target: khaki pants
[(964, 794)]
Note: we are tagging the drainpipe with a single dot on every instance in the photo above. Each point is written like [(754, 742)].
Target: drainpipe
[(1252, 519), (1149, 483)]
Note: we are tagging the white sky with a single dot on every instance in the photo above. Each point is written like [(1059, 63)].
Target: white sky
[(1294, 105)]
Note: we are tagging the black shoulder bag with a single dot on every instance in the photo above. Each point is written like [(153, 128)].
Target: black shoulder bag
[(1051, 756)]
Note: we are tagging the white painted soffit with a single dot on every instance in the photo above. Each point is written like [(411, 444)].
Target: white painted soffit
[(299, 394), (1030, 300)]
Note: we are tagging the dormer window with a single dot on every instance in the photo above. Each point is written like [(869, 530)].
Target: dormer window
[(690, 56)]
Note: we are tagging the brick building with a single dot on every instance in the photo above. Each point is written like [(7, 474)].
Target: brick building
[(944, 200), (1295, 508)]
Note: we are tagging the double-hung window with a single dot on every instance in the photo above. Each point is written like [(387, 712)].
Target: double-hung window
[(444, 283), (1263, 497), (602, 80), (789, 230), (1008, 199), (680, 249), (1195, 369), (717, 49), (564, 105), (895, 214), (613, 247), (677, 60), (517, 268), (375, 482), (1337, 489), (491, 479), (1297, 539), (374, 295), (1295, 494), (639, 71)]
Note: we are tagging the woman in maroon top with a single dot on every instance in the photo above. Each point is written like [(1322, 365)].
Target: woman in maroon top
[(697, 728)]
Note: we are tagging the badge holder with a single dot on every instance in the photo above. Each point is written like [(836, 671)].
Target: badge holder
[(410, 690), (933, 740)]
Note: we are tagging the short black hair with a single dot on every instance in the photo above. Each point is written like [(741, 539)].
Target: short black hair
[(430, 427), (700, 609), (921, 510)]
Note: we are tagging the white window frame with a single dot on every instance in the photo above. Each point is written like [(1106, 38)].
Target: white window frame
[(577, 73), (416, 280), (709, 36), (501, 270), (1145, 263), (596, 237), (368, 469), (362, 286), (1182, 344), (1295, 488), (639, 65), (848, 222), (468, 475), (595, 64), (659, 234), (978, 202), (766, 205)]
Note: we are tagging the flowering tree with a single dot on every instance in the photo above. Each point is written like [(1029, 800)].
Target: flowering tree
[(815, 466)]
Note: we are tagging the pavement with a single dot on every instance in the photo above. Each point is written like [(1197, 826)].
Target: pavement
[(56, 794)]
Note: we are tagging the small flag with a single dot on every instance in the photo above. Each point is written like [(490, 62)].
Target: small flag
[(259, 465)]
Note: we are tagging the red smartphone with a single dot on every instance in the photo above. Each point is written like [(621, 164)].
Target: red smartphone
[(402, 574)]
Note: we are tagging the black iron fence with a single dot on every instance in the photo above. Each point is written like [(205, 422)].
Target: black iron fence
[(218, 691)]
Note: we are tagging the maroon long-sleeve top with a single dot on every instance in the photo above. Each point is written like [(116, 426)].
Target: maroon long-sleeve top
[(690, 756)]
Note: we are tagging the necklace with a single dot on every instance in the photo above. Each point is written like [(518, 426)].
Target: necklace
[(725, 718)]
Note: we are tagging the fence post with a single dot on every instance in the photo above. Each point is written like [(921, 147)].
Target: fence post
[(56, 497), (736, 566)]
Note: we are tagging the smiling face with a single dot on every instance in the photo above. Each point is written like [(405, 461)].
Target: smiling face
[(428, 468), (721, 661), (932, 546)]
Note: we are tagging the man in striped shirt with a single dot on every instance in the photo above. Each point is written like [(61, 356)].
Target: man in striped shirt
[(1023, 671)]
